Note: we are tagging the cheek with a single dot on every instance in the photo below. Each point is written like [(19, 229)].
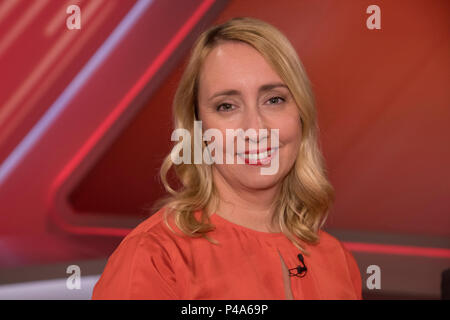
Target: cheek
[(290, 136), (290, 127), (213, 120)]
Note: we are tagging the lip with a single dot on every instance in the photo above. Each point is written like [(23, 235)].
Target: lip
[(259, 151), (258, 161)]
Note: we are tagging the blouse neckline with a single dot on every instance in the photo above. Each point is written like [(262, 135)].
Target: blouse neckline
[(219, 219)]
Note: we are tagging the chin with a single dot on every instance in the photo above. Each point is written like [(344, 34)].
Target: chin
[(257, 181)]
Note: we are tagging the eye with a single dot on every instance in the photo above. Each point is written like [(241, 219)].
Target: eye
[(225, 107), (275, 100)]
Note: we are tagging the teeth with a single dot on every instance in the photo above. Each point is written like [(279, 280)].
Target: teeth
[(263, 155), (256, 156)]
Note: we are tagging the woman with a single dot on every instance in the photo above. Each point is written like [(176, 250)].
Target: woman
[(232, 232)]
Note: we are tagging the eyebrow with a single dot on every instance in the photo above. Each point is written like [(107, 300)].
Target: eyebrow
[(263, 88)]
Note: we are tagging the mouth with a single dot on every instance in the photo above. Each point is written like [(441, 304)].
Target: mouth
[(258, 157)]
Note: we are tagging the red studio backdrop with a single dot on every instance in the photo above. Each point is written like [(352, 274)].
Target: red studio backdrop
[(85, 121)]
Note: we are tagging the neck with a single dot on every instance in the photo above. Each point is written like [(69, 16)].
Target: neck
[(251, 208)]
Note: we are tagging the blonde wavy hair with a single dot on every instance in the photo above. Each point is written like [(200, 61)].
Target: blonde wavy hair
[(305, 196)]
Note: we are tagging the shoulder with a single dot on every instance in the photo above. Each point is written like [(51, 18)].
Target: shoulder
[(153, 235), (155, 229), (328, 240), (145, 255), (153, 224), (342, 259), (332, 246)]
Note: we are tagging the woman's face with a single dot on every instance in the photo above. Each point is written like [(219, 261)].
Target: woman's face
[(238, 89)]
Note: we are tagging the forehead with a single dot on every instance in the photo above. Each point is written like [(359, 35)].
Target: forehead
[(235, 65)]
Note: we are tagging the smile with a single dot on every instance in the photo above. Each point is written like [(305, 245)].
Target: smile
[(261, 157)]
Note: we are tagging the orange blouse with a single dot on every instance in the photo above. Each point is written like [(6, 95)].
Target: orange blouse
[(154, 263)]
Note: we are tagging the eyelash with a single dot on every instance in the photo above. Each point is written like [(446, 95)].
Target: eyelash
[(229, 104), (280, 98), (224, 104)]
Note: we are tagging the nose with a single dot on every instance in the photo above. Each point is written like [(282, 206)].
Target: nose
[(253, 119)]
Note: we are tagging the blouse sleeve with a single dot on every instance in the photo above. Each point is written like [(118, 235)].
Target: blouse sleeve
[(140, 268), (354, 273)]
